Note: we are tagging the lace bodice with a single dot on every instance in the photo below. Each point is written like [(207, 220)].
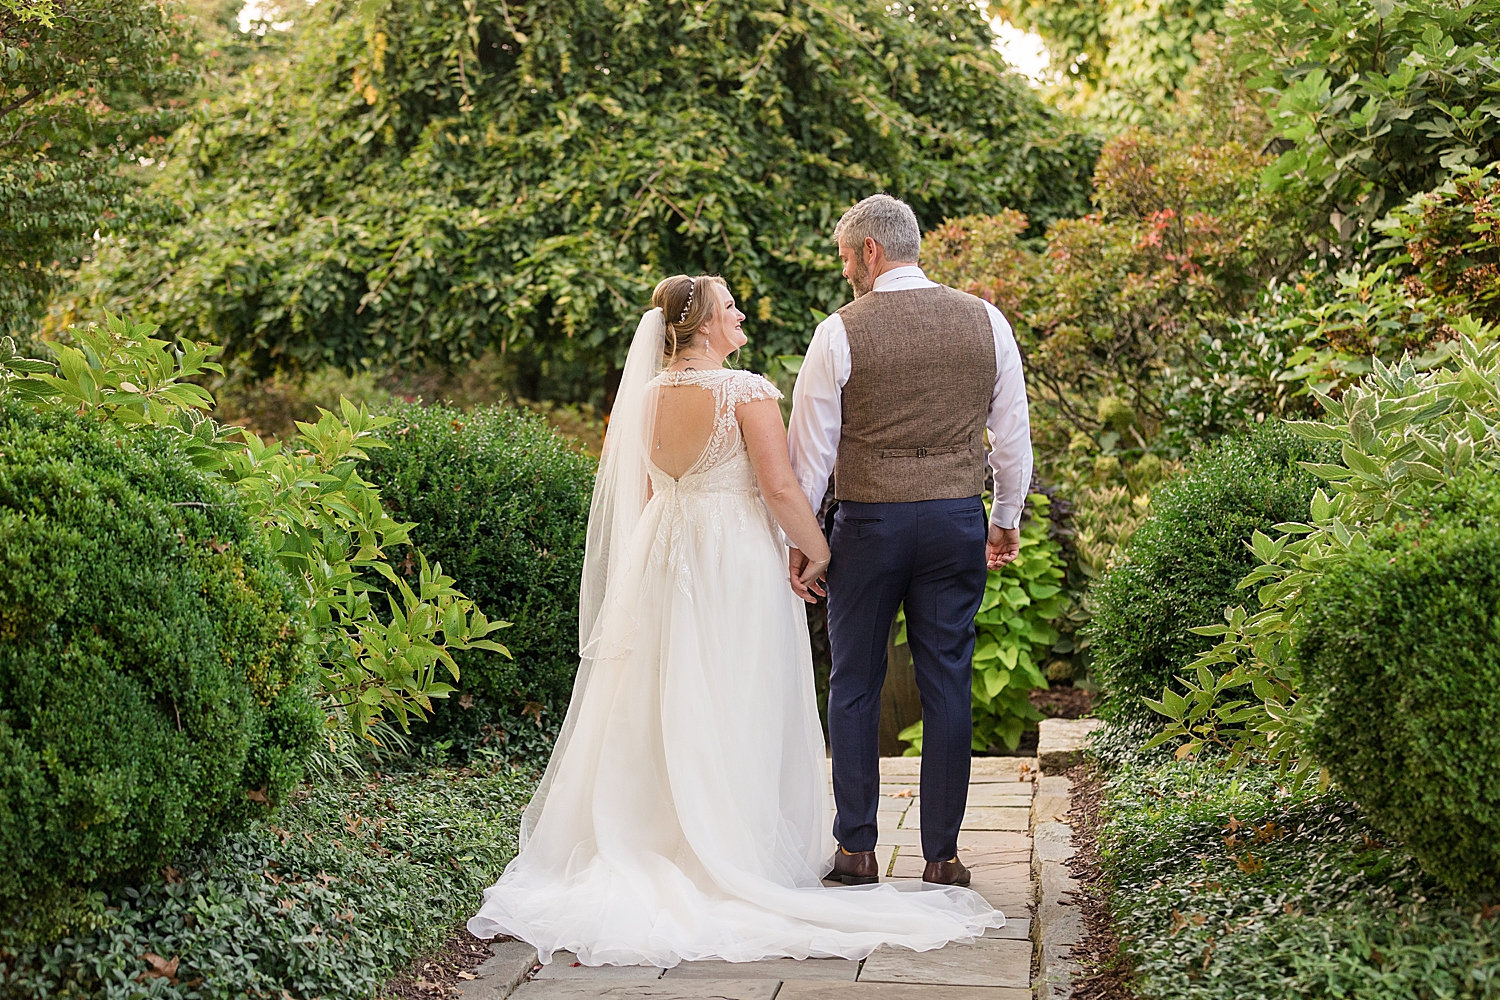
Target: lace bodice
[(723, 466)]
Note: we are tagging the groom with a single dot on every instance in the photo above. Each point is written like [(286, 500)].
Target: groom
[(893, 399)]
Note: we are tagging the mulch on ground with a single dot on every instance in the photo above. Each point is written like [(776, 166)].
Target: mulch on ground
[(1105, 974), (1062, 702), (439, 973)]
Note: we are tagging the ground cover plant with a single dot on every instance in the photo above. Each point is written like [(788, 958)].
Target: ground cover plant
[(327, 898), (1229, 884), (502, 501)]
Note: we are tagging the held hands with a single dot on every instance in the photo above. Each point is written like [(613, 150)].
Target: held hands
[(807, 575), (1003, 545)]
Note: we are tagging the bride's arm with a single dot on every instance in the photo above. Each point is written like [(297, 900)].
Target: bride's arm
[(765, 439)]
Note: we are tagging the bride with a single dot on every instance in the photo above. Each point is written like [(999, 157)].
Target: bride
[(685, 813)]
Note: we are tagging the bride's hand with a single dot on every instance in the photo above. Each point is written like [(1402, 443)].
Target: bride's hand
[(807, 575)]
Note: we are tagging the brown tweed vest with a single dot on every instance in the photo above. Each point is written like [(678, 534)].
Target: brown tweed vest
[(922, 371)]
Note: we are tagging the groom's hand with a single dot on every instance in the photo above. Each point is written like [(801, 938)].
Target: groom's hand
[(1004, 544)]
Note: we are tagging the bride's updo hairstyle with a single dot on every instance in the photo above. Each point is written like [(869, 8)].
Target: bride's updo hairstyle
[(687, 306)]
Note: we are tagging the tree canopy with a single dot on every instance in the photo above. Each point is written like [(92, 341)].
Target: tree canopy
[(426, 180), (85, 86)]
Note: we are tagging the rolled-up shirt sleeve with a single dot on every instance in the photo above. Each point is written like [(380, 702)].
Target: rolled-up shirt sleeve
[(817, 409), (1009, 425)]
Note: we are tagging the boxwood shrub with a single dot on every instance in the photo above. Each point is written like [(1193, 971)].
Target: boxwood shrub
[(502, 501), (154, 685), (1401, 653), (1184, 563)]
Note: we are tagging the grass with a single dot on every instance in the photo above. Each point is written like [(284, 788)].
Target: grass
[(327, 897), (1230, 885)]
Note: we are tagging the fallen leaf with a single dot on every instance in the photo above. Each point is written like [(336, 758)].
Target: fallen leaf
[(905, 793), (466, 701), (467, 975), (534, 709), (172, 875), (1268, 832), (160, 968), (258, 795), (1250, 864)]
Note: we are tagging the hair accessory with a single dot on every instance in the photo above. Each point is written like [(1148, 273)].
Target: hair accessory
[(689, 303)]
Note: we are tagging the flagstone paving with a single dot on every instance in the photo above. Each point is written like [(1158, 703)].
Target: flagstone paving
[(994, 841)]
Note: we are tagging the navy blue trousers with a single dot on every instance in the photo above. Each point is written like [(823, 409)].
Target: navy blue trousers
[(928, 556)]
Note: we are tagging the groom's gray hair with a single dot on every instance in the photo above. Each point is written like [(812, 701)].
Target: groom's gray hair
[(886, 220)]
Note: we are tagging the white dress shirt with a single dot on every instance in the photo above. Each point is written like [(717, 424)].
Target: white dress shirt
[(817, 406)]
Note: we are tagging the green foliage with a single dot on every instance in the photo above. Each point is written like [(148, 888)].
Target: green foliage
[(86, 89), (1452, 237), (1183, 242), (1399, 431), (503, 501), (1016, 631), (325, 523), (1184, 563), (343, 886), (428, 180), (1381, 100), (155, 681), (1400, 656), (1228, 886)]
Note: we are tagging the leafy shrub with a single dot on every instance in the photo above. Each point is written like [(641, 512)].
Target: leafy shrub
[(1452, 236), (89, 87), (328, 898), (1400, 656), (326, 524), (155, 685), (1184, 240), (502, 501), (1380, 101), (1184, 563), (1399, 431), (1228, 885)]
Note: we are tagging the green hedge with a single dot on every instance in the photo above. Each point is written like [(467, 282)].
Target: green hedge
[(1185, 562), (1401, 655), (328, 897), (154, 685), (502, 501)]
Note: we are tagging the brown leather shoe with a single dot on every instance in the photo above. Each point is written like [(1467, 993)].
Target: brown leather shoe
[(946, 873), (856, 868)]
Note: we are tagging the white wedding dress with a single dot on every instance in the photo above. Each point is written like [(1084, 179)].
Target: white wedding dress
[(685, 813)]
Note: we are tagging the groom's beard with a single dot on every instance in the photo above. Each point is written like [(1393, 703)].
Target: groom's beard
[(859, 278)]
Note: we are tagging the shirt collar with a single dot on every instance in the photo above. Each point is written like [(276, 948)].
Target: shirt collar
[(896, 274)]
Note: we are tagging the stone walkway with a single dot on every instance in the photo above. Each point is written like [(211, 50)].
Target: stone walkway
[(995, 843)]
